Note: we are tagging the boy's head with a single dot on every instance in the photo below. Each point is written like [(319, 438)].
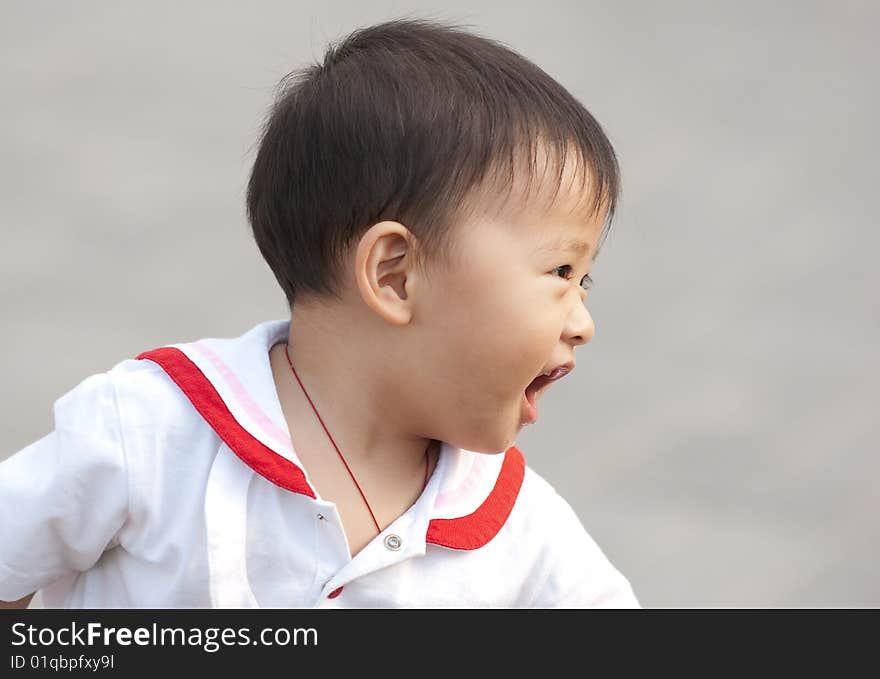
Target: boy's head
[(425, 179)]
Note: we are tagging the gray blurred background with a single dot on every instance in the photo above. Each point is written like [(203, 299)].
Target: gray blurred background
[(717, 438)]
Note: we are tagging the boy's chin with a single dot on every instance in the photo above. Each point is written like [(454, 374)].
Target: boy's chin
[(490, 437), (496, 445)]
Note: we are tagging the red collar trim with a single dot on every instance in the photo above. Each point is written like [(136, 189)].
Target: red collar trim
[(480, 526), (199, 390), (466, 532)]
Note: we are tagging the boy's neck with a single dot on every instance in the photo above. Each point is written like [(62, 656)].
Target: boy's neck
[(344, 367)]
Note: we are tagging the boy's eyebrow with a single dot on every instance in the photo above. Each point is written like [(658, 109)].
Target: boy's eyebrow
[(577, 246)]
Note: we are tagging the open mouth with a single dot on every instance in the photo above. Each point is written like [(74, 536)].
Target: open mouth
[(538, 385), (535, 387)]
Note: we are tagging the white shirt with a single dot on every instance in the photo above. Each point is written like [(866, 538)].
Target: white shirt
[(170, 481)]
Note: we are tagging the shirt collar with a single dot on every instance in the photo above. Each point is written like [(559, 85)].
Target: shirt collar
[(230, 384)]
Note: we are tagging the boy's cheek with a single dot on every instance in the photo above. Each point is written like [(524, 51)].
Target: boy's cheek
[(502, 339)]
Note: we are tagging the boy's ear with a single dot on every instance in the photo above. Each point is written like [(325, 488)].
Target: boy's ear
[(384, 270)]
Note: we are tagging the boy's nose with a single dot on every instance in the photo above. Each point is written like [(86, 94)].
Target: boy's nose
[(580, 327)]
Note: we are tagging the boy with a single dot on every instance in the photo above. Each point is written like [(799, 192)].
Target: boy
[(430, 203)]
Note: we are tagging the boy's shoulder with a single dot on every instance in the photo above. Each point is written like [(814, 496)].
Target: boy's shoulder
[(137, 376), (503, 491), (174, 381), (576, 570), (144, 389), (129, 386), (544, 508)]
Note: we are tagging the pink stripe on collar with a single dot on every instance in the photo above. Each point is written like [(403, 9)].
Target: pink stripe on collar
[(243, 398)]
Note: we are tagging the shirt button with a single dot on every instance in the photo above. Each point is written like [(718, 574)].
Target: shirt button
[(335, 593), (393, 542)]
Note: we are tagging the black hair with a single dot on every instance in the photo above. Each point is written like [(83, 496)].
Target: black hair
[(407, 120)]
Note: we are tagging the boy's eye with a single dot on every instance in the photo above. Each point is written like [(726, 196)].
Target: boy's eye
[(586, 279)]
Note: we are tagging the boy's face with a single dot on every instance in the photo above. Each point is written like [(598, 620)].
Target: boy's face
[(511, 307)]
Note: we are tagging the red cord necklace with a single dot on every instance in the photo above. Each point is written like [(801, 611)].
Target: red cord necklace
[(350, 473)]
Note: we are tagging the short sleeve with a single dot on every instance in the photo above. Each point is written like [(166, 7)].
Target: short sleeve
[(579, 574), (64, 497)]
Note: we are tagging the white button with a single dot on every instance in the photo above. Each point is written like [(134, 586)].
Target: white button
[(393, 542)]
